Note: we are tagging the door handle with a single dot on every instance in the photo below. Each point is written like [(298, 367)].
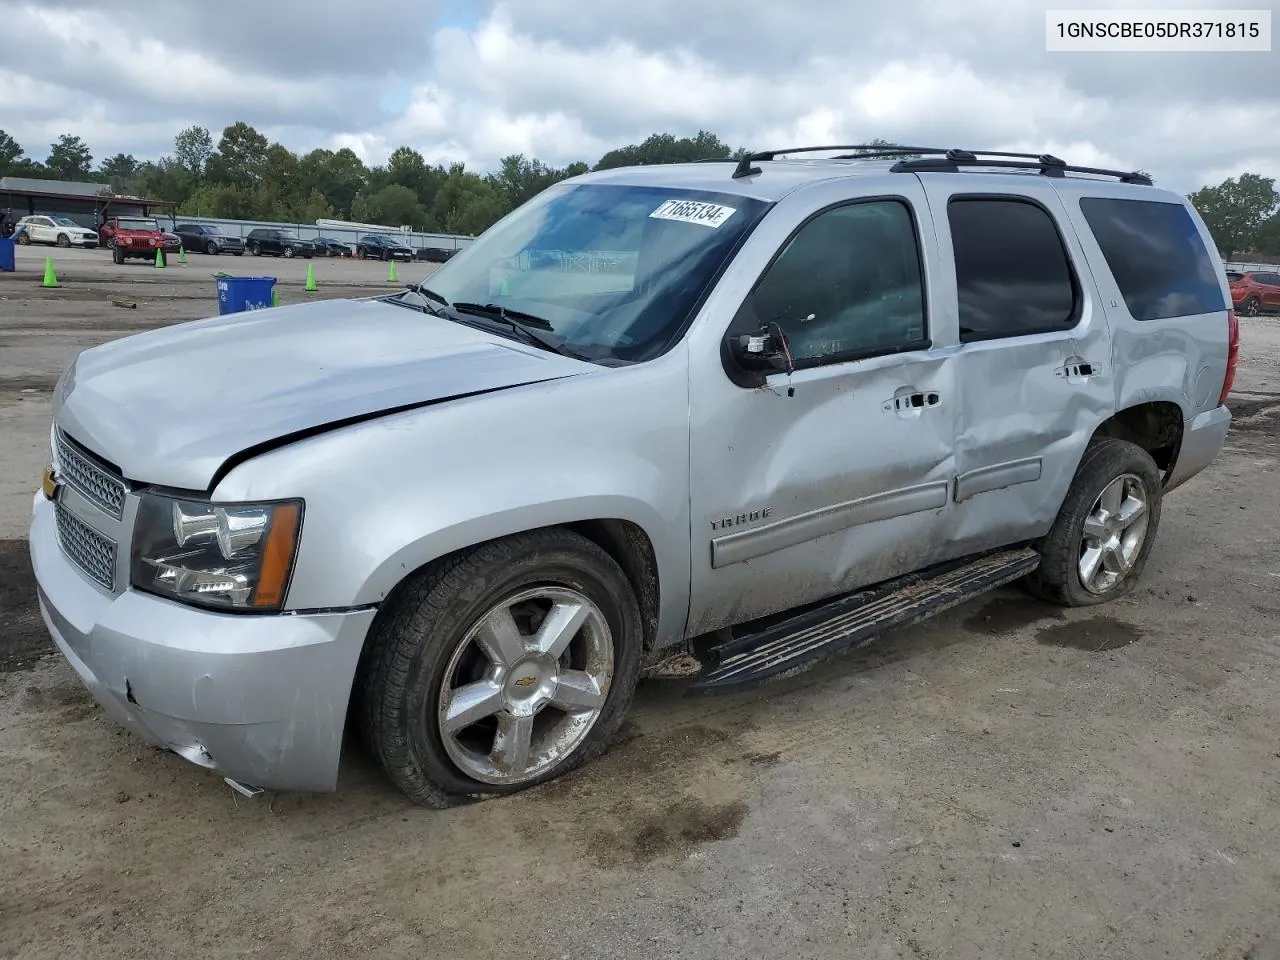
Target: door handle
[(1077, 369), (909, 402)]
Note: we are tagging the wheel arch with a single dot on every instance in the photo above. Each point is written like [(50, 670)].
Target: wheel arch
[(1156, 426), (626, 541)]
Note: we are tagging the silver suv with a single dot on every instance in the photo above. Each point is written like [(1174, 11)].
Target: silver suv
[(744, 414)]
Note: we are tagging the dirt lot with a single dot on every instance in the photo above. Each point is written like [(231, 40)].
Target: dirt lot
[(1006, 781)]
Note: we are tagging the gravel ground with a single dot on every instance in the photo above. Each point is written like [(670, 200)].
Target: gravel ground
[(1005, 781)]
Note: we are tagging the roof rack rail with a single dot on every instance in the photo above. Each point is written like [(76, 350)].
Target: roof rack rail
[(951, 161), (746, 168), (940, 159)]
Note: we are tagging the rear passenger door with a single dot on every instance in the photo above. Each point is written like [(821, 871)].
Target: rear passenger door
[(1033, 364)]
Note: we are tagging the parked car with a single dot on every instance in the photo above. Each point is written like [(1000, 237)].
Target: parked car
[(206, 238), (375, 247), (433, 254), (54, 230), (172, 243), (799, 404), (134, 238), (1255, 292), (277, 243), (329, 247)]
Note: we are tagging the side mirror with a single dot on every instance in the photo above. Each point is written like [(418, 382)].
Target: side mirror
[(754, 351)]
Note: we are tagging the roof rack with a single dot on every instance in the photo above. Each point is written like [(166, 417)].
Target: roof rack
[(950, 161)]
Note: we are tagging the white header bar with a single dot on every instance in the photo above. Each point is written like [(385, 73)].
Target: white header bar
[(1160, 31)]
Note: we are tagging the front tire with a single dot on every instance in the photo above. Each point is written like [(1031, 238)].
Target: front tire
[(63, 240), (1251, 307), (211, 248), (1099, 544), (501, 668)]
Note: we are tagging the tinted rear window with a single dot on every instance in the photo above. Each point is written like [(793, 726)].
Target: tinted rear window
[(1157, 257)]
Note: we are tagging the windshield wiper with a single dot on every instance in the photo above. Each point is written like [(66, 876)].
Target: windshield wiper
[(526, 326), (431, 295), (518, 316)]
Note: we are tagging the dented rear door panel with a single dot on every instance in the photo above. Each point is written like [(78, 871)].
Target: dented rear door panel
[(1027, 405)]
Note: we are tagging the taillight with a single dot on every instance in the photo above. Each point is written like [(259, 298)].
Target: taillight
[(1233, 354)]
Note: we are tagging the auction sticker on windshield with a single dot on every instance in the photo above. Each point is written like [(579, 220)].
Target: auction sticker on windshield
[(694, 211)]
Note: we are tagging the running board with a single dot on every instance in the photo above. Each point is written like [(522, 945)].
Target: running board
[(800, 642)]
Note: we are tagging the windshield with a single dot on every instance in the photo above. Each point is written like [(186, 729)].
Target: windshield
[(65, 222), (136, 223), (615, 270)]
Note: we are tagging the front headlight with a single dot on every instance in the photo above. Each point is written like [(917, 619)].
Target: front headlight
[(231, 556)]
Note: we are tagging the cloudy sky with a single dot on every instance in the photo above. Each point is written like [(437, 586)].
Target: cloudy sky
[(566, 80)]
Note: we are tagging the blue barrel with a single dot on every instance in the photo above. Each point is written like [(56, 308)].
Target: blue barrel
[(237, 294), (7, 255)]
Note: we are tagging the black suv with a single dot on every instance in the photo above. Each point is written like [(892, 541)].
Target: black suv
[(374, 247), (278, 243), (200, 238)]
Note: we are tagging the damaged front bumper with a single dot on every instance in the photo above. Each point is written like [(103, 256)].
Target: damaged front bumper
[(261, 699)]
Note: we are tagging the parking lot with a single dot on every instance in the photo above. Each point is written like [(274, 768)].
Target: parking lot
[(1006, 781)]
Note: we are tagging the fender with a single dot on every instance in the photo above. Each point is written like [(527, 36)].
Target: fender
[(386, 496)]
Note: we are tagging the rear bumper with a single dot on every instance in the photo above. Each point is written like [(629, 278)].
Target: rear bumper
[(1202, 439), (260, 699)]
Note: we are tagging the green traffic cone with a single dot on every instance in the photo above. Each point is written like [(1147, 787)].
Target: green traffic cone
[(159, 257), (182, 255), (311, 278), (391, 272), (50, 278)]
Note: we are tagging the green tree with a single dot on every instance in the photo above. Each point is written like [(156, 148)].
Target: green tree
[(121, 171), (666, 148), (1268, 238), (1235, 210), (69, 158), (193, 148), (393, 206), (338, 175), (11, 154), (467, 203), (242, 151), (407, 168), (520, 179)]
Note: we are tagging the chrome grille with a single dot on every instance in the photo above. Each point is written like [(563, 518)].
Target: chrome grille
[(95, 483), (88, 549)]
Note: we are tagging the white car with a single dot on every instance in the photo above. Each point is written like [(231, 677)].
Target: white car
[(61, 231)]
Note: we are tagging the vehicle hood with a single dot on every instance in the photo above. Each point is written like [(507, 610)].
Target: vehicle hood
[(171, 406)]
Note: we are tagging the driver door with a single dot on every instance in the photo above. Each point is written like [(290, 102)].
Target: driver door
[(808, 484)]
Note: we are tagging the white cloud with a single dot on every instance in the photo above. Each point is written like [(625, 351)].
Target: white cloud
[(561, 80)]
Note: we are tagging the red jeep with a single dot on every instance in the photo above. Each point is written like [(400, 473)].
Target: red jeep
[(132, 237)]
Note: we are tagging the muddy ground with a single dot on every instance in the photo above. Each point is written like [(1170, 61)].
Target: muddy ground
[(1007, 781)]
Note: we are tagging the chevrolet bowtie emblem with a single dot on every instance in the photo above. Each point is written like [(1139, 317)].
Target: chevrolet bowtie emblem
[(49, 483), (525, 681)]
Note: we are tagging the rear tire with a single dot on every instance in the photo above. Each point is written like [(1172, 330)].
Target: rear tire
[(428, 644), (1108, 524)]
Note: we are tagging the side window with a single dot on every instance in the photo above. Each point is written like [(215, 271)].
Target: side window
[(1156, 255), (1013, 277), (848, 283)]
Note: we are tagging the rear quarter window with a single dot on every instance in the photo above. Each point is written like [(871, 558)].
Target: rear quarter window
[(1157, 256)]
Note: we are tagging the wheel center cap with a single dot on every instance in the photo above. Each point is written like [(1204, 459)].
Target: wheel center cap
[(529, 685)]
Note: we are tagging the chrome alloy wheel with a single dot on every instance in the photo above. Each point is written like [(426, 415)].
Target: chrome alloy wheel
[(525, 685), (1114, 533)]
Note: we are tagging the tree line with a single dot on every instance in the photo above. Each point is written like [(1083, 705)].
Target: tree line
[(244, 176)]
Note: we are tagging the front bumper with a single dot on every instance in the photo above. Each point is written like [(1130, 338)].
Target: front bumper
[(1203, 437), (259, 699)]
